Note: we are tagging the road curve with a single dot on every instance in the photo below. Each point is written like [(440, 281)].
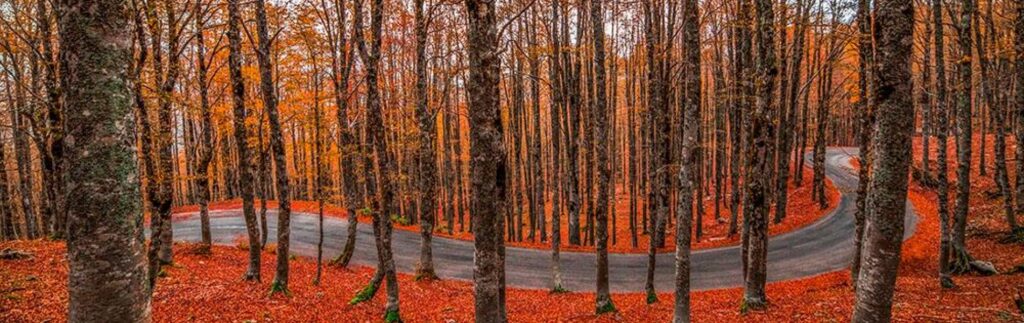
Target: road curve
[(821, 247)]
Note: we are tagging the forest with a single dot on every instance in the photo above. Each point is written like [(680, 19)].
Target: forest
[(511, 160)]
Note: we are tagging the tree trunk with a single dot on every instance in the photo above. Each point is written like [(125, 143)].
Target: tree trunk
[(206, 147), (865, 124), (241, 138), (601, 136), (487, 166), (963, 138), (555, 114), (941, 130), (886, 200), (691, 122), (427, 160), (760, 146), (105, 217), (280, 283), (382, 204)]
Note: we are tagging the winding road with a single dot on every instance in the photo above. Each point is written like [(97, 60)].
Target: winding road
[(821, 247)]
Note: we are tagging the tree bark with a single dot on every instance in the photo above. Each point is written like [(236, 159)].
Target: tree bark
[(691, 122), (105, 217), (886, 200), (426, 158), (487, 166), (241, 139), (604, 302), (760, 145)]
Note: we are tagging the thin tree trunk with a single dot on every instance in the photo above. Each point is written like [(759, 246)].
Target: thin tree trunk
[(241, 138), (691, 122), (427, 160), (600, 127)]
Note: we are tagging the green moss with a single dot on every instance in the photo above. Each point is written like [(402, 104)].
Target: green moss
[(559, 290), (652, 297), (401, 220), (279, 287), (608, 307), (364, 295), (392, 317)]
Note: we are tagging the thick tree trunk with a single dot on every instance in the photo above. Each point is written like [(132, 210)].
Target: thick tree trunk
[(760, 146), (105, 217), (886, 200), (487, 166)]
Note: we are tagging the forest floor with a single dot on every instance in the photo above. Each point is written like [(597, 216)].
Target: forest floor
[(801, 211), (208, 287)]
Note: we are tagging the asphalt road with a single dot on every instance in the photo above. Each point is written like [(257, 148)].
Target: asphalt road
[(821, 247)]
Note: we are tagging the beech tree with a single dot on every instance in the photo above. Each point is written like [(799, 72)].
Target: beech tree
[(891, 140), (241, 138), (691, 122), (105, 217), (600, 128), (487, 162)]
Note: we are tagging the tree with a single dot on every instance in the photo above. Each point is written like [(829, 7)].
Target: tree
[(886, 200), (105, 217), (383, 204), (759, 151), (277, 146), (555, 112), (865, 54), (206, 116), (600, 128), (691, 121), (241, 138), (426, 158), (487, 162), (961, 258), (341, 67), (1018, 113)]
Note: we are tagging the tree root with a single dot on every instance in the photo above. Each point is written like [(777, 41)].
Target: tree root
[(961, 261), (652, 297), (605, 306), (392, 317), (963, 264), (365, 294), (1014, 236), (559, 290), (752, 304), (13, 254), (279, 287)]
